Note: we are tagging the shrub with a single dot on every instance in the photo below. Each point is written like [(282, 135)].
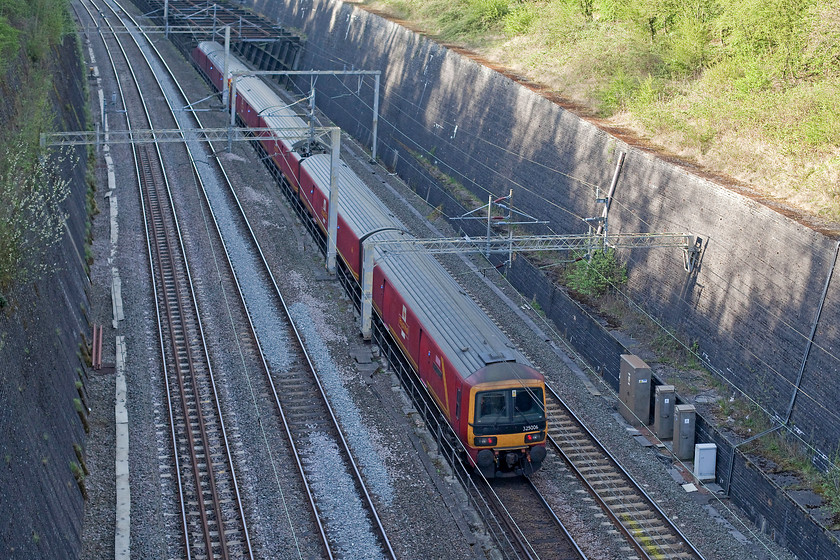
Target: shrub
[(617, 94), (596, 276), (477, 16), (31, 219), (8, 42), (831, 487)]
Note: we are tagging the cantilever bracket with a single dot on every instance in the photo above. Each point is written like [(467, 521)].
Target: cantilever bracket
[(691, 255)]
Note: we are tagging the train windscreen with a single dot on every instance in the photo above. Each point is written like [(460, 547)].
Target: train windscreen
[(509, 406)]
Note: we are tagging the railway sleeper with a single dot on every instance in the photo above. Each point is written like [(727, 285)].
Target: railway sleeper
[(659, 533), (606, 476), (607, 485), (620, 500), (586, 457), (581, 450), (591, 470), (668, 548), (569, 436)]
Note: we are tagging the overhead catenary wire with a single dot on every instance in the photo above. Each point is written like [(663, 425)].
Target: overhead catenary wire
[(652, 317), (765, 308), (691, 351)]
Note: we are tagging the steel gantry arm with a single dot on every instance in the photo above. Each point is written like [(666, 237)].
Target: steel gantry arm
[(576, 242), (159, 135), (690, 244)]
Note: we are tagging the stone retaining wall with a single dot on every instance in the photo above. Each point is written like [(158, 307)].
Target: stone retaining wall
[(750, 305), (41, 507)]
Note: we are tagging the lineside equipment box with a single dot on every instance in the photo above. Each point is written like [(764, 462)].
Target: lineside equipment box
[(663, 411), (685, 416), (705, 461), (634, 390)]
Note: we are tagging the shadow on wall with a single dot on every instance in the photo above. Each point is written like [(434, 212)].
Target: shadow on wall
[(444, 118)]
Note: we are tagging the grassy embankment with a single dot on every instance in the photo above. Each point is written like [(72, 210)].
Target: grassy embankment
[(745, 88), (30, 193)]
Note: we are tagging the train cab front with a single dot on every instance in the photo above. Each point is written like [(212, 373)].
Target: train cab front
[(507, 428)]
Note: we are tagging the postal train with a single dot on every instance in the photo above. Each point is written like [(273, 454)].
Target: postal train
[(492, 397)]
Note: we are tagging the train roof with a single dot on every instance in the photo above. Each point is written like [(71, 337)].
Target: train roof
[(469, 338), (259, 95), (360, 208), (462, 330)]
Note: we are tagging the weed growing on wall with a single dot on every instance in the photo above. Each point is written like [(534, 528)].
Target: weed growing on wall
[(32, 191), (34, 25), (596, 276), (831, 485)]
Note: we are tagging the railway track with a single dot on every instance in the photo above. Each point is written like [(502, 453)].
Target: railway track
[(650, 539), (645, 526), (648, 531), (508, 508), (215, 528), (292, 388), (212, 515), (537, 530)]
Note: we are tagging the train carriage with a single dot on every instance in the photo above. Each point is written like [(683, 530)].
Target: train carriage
[(360, 212), (486, 389), (258, 106), (490, 394)]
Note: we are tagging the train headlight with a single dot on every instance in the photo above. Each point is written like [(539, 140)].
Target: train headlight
[(534, 438), (484, 441)]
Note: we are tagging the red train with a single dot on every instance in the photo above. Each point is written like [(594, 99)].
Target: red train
[(490, 394)]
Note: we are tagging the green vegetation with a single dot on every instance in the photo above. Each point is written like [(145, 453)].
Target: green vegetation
[(31, 190), (466, 198), (790, 455), (80, 456), (596, 276), (82, 412), (749, 88), (30, 217), (830, 485), (36, 26), (79, 475)]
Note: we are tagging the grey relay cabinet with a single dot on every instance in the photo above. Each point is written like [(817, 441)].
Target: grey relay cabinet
[(634, 390)]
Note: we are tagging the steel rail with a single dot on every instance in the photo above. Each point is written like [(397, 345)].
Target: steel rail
[(515, 501), (509, 540), (161, 342), (261, 354), (299, 339), (167, 264), (642, 541), (165, 259), (557, 520), (202, 428)]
